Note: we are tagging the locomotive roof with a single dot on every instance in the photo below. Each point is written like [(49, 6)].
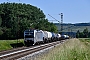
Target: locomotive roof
[(28, 30)]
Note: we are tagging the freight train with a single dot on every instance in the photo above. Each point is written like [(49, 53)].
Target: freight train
[(33, 36)]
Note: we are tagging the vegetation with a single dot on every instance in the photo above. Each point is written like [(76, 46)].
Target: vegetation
[(8, 44), (17, 17), (84, 34), (73, 49), (85, 41)]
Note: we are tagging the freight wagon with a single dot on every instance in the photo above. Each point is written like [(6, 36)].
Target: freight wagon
[(32, 37)]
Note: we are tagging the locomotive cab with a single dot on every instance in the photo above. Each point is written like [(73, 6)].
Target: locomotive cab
[(32, 37), (29, 37)]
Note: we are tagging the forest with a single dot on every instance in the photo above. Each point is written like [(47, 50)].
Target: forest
[(17, 17)]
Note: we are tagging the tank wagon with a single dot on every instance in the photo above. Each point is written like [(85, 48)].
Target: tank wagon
[(32, 37), (58, 37), (64, 37), (54, 36), (47, 37)]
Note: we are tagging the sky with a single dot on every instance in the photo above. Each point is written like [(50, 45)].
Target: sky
[(74, 11)]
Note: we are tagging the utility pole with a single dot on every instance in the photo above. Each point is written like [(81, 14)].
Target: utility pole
[(61, 21)]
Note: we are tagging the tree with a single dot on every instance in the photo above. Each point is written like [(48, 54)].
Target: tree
[(0, 21), (17, 17), (89, 35), (85, 32), (81, 35), (78, 34)]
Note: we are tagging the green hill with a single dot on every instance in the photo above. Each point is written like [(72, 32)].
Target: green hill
[(73, 27)]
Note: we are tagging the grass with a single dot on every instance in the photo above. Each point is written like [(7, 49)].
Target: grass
[(7, 44), (73, 49), (86, 41)]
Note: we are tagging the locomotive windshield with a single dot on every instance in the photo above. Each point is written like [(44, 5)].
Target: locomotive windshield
[(29, 34)]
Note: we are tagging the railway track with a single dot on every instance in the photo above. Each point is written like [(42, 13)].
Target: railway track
[(21, 52), (12, 50)]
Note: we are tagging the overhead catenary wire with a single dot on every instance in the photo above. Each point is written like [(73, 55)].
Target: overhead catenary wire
[(56, 20)]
